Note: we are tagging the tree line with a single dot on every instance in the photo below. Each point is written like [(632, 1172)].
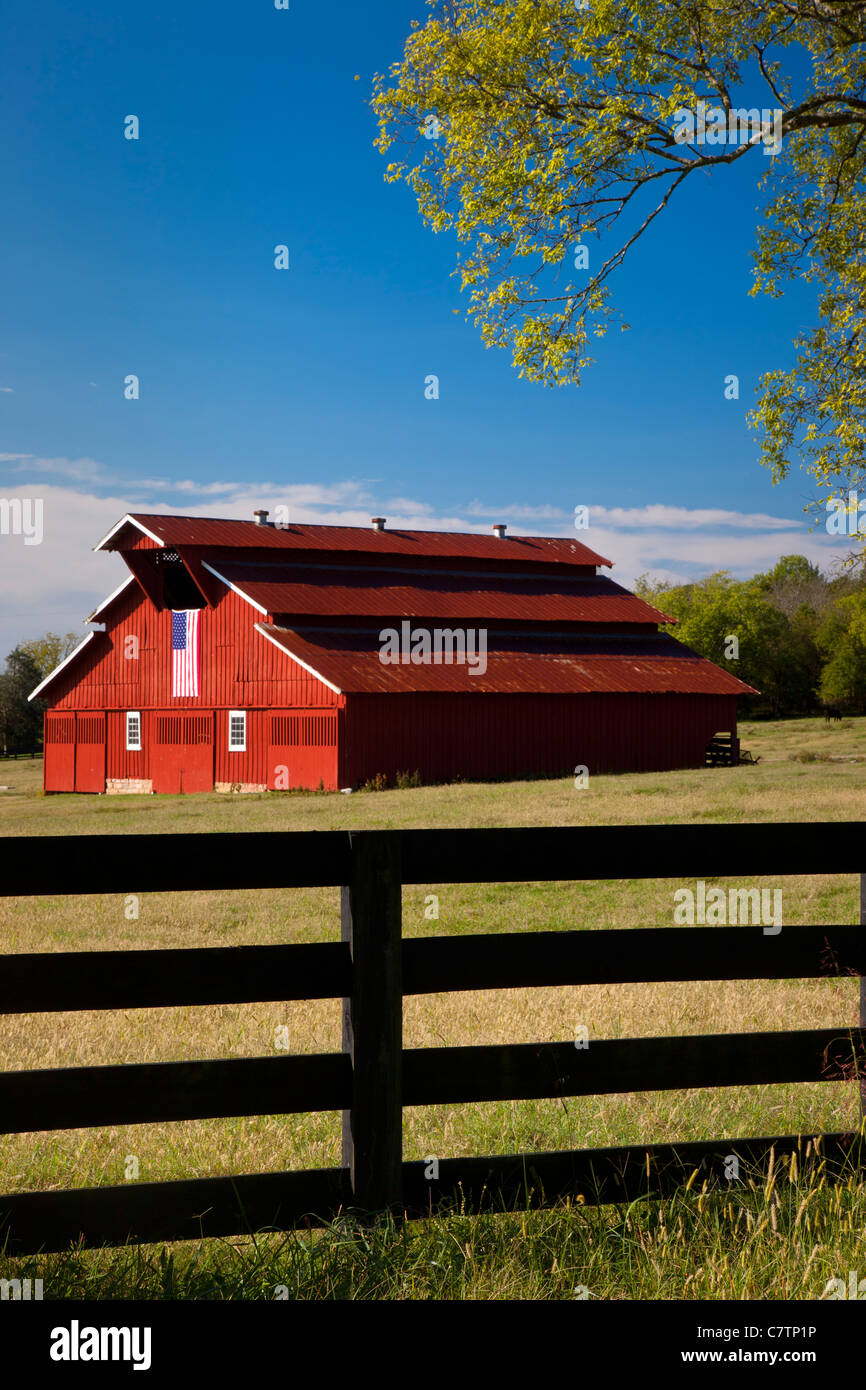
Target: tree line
[(800, 635), (26, 666)]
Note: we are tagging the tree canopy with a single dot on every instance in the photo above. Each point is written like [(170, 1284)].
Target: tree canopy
[(48, 651), (800, 635), (20, 718), (535, 124)]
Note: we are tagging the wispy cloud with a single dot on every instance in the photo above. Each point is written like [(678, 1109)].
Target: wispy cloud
[(52, 586), (83, 470)]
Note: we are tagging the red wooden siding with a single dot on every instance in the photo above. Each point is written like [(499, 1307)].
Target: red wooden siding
[(303, 750), (240, 668), (182, 758), (480, 736), (59, 748), (90, 753)]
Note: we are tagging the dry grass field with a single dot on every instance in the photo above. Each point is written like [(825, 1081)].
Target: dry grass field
[(807, 771)]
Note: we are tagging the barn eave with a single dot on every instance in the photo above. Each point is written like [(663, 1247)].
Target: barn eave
[(66, 661)]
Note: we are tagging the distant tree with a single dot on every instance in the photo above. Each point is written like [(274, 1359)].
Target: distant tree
[(796, 587), (769, 654), (841, 638), (651, 590), (843, 680), (20, 719), (50, 650), (793, 569)]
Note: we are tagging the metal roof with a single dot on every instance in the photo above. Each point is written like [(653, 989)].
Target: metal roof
[(281, 588), (349, 662), (208, 531)]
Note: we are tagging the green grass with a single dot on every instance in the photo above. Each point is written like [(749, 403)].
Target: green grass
[(537, 1253)]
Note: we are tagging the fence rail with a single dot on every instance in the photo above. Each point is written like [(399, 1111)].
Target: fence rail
[(372, 969)]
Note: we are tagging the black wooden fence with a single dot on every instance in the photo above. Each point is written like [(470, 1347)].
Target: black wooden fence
[(371, 969)]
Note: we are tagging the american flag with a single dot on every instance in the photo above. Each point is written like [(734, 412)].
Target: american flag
[(185, 652)]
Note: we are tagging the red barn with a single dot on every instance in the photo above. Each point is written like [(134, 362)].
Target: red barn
[(247, 655)]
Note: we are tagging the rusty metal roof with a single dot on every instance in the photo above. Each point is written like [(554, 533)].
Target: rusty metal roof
[(349, 662), (341, 591), (211, 532)]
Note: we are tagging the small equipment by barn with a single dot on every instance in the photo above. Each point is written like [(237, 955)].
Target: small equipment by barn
[(723, 750)]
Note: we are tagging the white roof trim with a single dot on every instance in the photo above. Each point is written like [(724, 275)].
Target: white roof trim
[(235, 589), (130, 579), (260, 627), (65, 662), (129, 519)]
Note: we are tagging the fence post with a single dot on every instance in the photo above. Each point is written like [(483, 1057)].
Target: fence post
[(372, 925)]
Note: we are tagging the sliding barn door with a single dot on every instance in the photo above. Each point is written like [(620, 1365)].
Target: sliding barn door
[(90, 753), (183, 753), (59, 751)]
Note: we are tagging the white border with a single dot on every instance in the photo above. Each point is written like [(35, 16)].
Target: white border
[(65, 662), (234, 588), (237, 747), (122, 522), (261, 628), (134, 747), (130, 579)]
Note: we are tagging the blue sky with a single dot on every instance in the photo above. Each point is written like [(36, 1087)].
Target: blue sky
[(155, 257)]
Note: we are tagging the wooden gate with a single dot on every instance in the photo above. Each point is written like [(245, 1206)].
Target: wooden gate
[(183, 753), (303, 750), (59, 766), (90, 753)]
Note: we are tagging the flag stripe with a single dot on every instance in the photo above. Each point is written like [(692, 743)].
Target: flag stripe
[(185, 664)]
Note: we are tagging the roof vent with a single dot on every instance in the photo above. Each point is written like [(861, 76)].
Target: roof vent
[(378, 522), (261, 518), (499, 528)]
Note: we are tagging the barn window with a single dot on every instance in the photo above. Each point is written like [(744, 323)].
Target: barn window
[(133, 731), (237, 731)]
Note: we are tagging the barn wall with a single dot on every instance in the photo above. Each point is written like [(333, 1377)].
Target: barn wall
[(240, 668), (483, 736)]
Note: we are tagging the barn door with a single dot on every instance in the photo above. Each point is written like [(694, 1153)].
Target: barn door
[(303, 750), (90, 753), (183, 753), (59, 753)]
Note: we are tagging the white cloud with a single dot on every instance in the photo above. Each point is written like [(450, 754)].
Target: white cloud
[(83, 470), (53, 585), (660, 517)]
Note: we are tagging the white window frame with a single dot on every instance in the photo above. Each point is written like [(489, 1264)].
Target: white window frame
[(242, 715), (132, 747)]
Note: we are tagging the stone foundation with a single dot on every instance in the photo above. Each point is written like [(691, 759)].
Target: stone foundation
[(138, 785), (240, 787)]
